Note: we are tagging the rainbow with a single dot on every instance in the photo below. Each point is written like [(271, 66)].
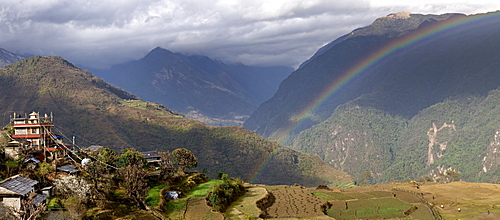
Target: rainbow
[(440, 30), (447, 28), (259, 170)]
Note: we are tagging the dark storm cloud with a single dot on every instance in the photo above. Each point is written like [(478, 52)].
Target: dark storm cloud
[(101, 33)]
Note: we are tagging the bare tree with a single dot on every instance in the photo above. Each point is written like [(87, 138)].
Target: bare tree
[(166, 164), (28, 210), (135, 182)]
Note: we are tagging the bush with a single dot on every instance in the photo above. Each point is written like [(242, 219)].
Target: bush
[(222, 195)]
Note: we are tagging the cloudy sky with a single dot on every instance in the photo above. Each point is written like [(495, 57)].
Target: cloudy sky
[(99, 33)]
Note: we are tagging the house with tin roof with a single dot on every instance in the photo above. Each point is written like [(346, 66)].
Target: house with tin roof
[(17, 188)]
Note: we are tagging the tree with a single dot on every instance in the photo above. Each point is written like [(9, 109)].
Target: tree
[(185, 159), (135, 181), (101, 177), (166, 164), (366, 178), (44, 169), (107, 156), (72, 186), (222, 195), (131, 156)]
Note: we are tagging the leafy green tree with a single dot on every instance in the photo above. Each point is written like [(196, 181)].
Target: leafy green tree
[(107, 155), (185, 159), (43, 169), (131, 156), (222, 195)]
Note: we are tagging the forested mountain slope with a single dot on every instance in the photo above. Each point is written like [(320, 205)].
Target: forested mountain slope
[(408, 96)]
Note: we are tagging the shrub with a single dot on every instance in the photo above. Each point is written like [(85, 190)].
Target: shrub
[(222, 195)]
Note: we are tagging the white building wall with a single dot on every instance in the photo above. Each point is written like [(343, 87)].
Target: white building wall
[(12, 202)]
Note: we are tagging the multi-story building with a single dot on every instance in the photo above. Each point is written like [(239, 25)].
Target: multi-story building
[(34, 131)]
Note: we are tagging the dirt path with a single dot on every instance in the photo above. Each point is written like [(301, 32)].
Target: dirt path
[(245, 207)]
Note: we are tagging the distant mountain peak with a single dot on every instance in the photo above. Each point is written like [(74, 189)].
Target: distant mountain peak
[(398, 24), (7, 57), (399, 15)]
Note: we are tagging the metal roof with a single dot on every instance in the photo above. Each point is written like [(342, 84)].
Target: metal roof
[(39, 198), (19, 184), (68, 168)]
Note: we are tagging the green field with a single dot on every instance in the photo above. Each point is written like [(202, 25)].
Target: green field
[(365, 204)]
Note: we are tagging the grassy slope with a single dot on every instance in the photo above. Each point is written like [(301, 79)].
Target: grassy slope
[(474, 199), (98, 113)]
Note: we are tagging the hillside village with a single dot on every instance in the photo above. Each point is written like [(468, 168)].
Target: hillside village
[(40, 174), (42, 177)]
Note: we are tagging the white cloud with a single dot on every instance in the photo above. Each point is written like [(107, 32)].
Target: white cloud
[(99, 33)]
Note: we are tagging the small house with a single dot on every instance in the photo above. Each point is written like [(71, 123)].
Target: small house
[(48, 191), (12, 150), (17, 188), (152, 157)]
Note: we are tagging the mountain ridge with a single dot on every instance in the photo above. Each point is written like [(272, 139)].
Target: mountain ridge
[(369, 125), (197, 86), (7, 57)]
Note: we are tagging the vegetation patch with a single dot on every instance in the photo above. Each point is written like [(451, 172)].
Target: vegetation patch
[(204, 188), (332, 195), (222, 195), (153, 197)]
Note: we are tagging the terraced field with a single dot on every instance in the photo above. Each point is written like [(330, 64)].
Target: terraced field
[(294, 202), (388, 201), (364, 205)]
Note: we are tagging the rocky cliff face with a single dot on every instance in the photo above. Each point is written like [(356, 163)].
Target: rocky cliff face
[(491, 158)]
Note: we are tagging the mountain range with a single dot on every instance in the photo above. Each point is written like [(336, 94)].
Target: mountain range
[(408, 96), (7, 57), (201, 88), (98, 113)]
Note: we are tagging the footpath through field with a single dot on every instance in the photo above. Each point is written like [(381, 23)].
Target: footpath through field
[(244, 207)]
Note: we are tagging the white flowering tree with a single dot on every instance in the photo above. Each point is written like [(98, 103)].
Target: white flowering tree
[(73, 186)]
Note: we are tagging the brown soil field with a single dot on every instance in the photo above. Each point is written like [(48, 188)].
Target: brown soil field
[(294, 202), (197, 208)]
